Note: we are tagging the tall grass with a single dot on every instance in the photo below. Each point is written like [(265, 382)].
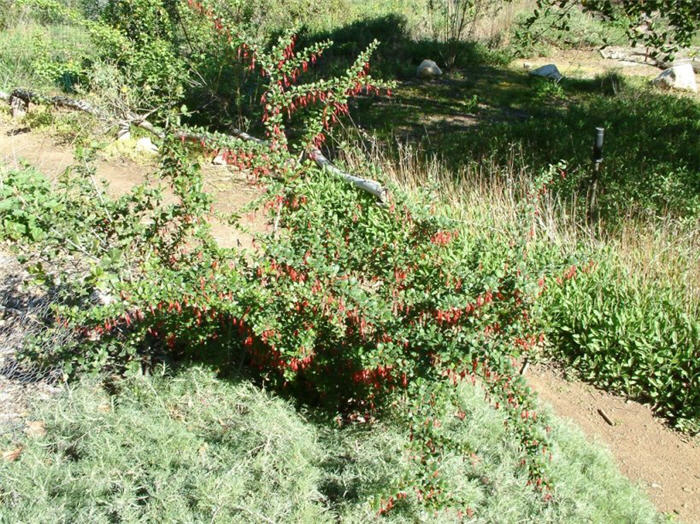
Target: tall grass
[(663, 250), (43, 57)]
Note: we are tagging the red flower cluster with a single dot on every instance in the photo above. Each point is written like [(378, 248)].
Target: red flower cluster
[(442, 238)]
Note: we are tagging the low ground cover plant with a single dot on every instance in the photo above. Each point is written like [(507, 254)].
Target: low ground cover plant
[(189, 446), (636, 338)]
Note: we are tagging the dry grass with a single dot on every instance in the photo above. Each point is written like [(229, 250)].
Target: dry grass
[(663, 251)]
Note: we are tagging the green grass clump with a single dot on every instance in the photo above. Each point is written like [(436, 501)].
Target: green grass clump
[(194, 448)]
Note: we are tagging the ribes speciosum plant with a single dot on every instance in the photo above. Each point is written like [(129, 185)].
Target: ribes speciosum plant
[(288, 92), (367, 310)]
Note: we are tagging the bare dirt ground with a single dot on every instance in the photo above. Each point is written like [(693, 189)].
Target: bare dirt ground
[(664, 462), (588, 63)]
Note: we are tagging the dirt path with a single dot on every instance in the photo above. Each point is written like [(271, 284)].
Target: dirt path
[(663, 461)]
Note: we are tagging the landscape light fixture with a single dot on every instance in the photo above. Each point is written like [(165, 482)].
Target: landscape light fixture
[(598, 148)]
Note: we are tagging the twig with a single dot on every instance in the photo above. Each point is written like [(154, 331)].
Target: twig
[(605, 417), (523, 368)]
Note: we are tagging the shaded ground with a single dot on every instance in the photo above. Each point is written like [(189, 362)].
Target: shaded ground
[(664, 462), (19, 385)]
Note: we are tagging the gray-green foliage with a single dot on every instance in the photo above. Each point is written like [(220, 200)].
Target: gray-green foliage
[(170, 451), (194, 448)]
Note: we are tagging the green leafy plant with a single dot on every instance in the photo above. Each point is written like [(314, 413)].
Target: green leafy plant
[(26, 202), (640, 340)]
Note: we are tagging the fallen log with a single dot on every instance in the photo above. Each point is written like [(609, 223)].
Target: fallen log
[(641, 55), (21, 98), (365, 184)]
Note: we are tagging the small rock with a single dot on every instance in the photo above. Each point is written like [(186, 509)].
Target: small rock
[(428, 69), (101, 297), (219, 160), (548, 71), (687, 489), (144, 145), (35, 429), (654, 485), (679, 76)]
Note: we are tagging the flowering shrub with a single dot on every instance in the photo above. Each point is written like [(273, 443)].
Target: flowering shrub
[(368, 310)]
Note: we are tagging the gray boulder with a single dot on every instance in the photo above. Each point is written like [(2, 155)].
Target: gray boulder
[(428, 69), (548, 71)]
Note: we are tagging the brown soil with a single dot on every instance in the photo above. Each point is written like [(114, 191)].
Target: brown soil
[(664, 462)]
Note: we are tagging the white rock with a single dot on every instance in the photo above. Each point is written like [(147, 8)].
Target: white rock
[(101, 297), (678, 76), (219, 159), (548, 71), (144, 145), (428, 69)]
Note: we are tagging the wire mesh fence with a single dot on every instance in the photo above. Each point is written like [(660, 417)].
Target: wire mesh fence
[(24, 311)]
